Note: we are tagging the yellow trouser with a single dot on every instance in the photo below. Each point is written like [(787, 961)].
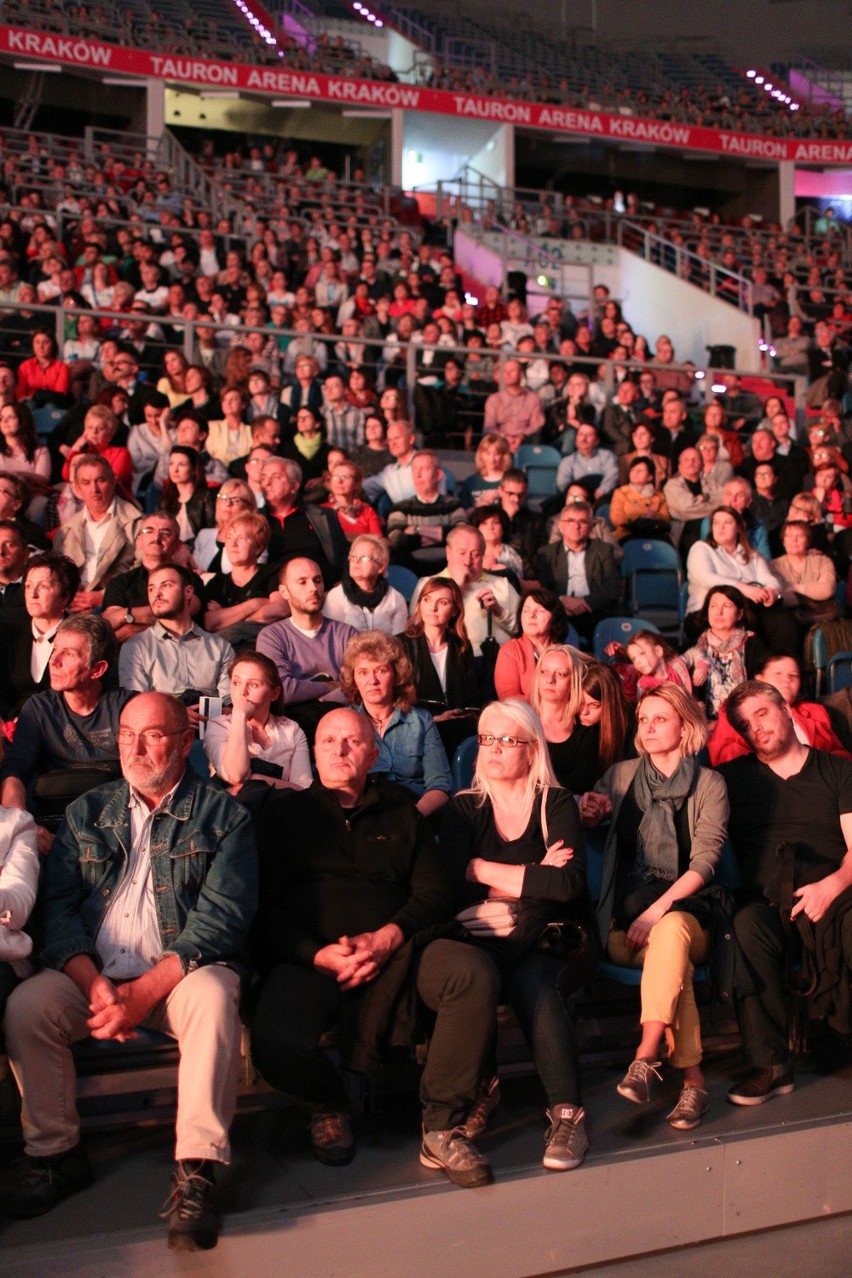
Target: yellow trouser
[(675, 945)]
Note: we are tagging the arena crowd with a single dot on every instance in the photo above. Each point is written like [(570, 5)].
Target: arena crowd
[(302, 728)]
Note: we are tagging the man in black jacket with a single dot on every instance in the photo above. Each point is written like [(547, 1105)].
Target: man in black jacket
[(582, 570), (345, 911)]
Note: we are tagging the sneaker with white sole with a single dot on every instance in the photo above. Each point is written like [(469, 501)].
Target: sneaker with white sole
[(693, 1103), (638, 1081), (487, 1100), (566, 1141), (760, 1085), (451, 1152)]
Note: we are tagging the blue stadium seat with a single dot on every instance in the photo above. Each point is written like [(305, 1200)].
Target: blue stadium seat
[(840, 671), (617, 630), (47, 418), (403, 580), (654, 576), (541, 464), (464, 760)]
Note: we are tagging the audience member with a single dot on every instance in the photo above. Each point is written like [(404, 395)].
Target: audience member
[(174, 969)]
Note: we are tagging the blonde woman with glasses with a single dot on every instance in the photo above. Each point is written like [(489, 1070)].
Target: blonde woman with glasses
[(515, 847)]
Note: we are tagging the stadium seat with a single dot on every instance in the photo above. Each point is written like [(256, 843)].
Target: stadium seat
[(47, 418), (464, 760), (541, 464), (839, 671), (403, 580), (654, 576), (617, 630)]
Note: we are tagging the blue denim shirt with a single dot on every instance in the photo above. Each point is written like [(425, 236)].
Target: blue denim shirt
[(412, 753), (204, 870)]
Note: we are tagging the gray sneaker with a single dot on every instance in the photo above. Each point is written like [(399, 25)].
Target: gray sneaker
[(638, 1081), (484, 1106), (452, 1153), (691, 1107), (566, 1141)]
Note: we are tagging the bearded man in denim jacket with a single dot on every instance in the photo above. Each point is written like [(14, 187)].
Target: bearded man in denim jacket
[(149, 891)]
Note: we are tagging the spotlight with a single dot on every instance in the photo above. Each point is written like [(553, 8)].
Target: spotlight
[(758, 79), (751, 74)]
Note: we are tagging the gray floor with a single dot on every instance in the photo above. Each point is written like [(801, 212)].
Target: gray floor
[(275, 1183), (818, 1249)]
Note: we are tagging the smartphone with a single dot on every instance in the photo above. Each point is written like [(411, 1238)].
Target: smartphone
[(208, 708)]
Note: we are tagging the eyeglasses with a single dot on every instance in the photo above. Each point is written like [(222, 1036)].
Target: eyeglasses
[(229, 501), (488, 739), (162, 534), (364, 559), (148, 736)]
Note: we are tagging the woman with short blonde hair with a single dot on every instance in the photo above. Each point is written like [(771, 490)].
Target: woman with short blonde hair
[(669, 819)]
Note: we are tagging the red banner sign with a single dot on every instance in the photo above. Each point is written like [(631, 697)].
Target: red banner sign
[(204, 73)]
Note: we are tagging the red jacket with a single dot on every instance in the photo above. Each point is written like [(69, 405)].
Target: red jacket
[(32, 377), (726, 743)]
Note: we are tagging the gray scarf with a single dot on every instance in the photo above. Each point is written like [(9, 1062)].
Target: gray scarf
[(659, 798)]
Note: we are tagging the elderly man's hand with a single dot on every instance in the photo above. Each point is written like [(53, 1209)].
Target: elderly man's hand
[(113, 1012), (370, 953)]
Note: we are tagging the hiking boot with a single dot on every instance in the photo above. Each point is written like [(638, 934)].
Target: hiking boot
[(566, 1141), (760, 1085), (44, 1182), (452, 1153), (638, 1081), (693, 1103), (331, 1137), (484, 1106), (190, 1208)]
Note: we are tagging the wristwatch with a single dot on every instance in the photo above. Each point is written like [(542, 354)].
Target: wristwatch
[(129, 619)]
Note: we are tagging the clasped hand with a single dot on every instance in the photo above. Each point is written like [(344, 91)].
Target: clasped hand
[(115, 1011), (356, 960)]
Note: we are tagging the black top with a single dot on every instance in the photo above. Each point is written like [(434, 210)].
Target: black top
[(349, 871), (805, 810), (468, 830), (130, 589), (16, 681), (576, 761), (222, 590), (462, 690)]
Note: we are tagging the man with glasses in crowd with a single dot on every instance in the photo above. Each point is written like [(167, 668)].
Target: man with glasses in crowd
[(128, 942), (581, 569)]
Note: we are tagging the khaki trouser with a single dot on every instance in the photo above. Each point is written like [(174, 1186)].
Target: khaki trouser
[(47, 1013), (675, 945)]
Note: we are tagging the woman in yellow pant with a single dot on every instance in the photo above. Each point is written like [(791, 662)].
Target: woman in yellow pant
[(668, 825)]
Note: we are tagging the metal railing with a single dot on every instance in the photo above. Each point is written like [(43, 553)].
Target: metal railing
[(678, 260), (404, 367)]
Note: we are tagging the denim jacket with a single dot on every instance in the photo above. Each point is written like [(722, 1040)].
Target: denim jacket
[(412, 753), (204, 869)]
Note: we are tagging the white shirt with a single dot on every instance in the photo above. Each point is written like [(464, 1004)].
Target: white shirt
[(128, 938), (94, 533), (578, 582), (439, 661), (287, 747), (41, 650)]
